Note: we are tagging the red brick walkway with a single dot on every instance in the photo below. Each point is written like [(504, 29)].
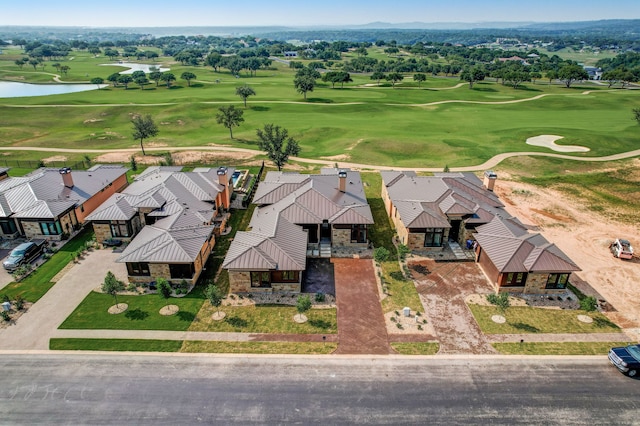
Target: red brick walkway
[(361, 326)]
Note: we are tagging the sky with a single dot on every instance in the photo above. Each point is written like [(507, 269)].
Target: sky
[(163, 13)]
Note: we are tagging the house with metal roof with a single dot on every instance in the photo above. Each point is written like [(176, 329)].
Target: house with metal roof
[(52, 203), (516, 260), (449, 209), (170, 218), (297, 216)]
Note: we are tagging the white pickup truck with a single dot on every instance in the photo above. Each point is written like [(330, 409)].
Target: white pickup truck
[(621, 249)]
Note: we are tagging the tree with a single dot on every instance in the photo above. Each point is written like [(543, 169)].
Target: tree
[(114, 78), (143, 128), (168, 77), (419, 78), (19, 62), (394, 77), (188, 76), (97, 81), (471, 75), (214, 59), (65, 69), (214, 296), (164, 288), (570, 73), (636, 114), (303, 304), (229, 117), (125, 80), (111, 285), (277, 143), (378, 75), (244, 92), (500, 300), (304, 84), (34, 63), (155, 76), (552, 75)]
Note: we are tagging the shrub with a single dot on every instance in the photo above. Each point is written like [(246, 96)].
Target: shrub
[(403, 251), (419, 327), (19, 303), (164, 288), (5, 315), (320, 297), (5, 298), (393, 319), (132, 287), (397, 275), (589, 304), (501, 300), (380, 254), (184, 286), (399, 326)]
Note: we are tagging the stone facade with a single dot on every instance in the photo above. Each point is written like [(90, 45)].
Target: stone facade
[(32, 228), (239, 281), (102, 231), (536, 284)]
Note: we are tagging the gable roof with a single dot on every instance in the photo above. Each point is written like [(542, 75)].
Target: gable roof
[(42, 193)]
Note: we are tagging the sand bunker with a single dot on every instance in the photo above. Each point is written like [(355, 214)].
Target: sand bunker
[(549, 141)]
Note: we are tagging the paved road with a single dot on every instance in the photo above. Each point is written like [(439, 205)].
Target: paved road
[(145, 389)]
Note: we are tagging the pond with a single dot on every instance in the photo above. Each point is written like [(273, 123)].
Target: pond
[(12, 89), (136, 67)]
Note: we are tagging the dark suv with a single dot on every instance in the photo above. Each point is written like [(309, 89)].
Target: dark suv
[(626, 359), (24, 253)]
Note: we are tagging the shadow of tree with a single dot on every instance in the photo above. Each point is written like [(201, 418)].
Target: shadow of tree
[(320, 100), (599, 322), (186, 316), (525, 327), (136, 314), (236, 322), (323, 324), (259, 108)]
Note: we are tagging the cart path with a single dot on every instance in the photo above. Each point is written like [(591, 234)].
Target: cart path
[(490, 163)]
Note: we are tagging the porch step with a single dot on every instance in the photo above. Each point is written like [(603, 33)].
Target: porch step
[(325, 250), (457, 250)]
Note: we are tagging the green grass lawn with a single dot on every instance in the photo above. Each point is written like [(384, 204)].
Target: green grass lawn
[(265, 319), (142, 314), (522, 319), (300, 348), (418, 348), (118, 345), (33, 287), (557, 348)]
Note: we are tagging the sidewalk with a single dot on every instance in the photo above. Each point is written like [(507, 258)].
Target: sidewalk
[(549, 337)]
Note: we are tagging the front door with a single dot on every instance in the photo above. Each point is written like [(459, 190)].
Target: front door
[(454, 232), (325, 232)]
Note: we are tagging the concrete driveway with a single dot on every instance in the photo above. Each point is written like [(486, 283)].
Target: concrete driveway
[(33, 329)]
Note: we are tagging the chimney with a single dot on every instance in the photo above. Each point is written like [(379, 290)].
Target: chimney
[(223, 180), (67, 179), (342, 180), (490, 179)]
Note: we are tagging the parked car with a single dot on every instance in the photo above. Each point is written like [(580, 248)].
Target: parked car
[(112, 242), (621, 249), (626, 359), (24, 253)]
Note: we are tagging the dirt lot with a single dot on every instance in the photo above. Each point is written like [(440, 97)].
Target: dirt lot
[(585, 237)]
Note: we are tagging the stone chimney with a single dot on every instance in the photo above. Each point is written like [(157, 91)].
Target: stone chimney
[(67, 179), (342, 180), (490, 178), (223, 180)]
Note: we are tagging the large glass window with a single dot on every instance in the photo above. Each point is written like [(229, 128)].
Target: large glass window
[(8, 226), (284, 276), (515, 279), (261, 279), (51, 228), (358, 233), (558, 281), (140, 269), (181, 270), (120, 228), (433, 237)]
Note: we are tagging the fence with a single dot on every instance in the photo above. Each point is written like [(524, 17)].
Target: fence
[(252, 190), (32, 164)]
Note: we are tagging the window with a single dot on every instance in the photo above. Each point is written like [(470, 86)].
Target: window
[(515, 279), (120, 228), (51, 228), (312, 230), (261, 279), (181, 270), (140, 269), (358, 233), (433, 237), (558, 281), (8, 227), (284, 276)]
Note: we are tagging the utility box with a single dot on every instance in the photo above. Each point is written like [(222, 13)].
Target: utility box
[(6, 306), (406, 312)]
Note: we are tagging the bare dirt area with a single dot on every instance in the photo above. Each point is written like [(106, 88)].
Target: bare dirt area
[(585, 237), (54, 158), (443, 288), (180, 157)]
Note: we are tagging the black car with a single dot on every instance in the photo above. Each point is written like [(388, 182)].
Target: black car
[(24, 253), (626, 359)]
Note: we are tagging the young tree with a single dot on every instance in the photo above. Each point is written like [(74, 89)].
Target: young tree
[(143, 128), (244, 92), (214, 296), (229, 117), (303, 304), (112, 286), (188, 76), (277, 143), (420, 77), (500, 300), (164, 288), (97, 81)]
